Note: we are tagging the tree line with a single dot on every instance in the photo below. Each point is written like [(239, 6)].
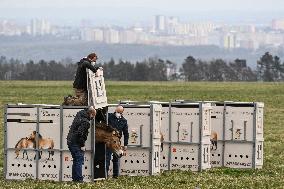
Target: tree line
[(269, 68)]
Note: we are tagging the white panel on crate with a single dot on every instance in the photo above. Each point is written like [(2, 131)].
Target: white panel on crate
[(238, 155), (136, 162), (49, 128), (68, 117), (97, 85), (164, 156), (139, 119), (205, 157), (49, 166), (165, 129), (217, 154), (156, 159), (206, 119), (67, 166), (22, 121), (23, 167), (239, 123), (185, 125), (259, 154), (184, 157), (259, 120)]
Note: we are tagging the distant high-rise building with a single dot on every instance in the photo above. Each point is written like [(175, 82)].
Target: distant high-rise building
[(159, 23), (229, 41), (39, 27), (111, 36), (278, 24)]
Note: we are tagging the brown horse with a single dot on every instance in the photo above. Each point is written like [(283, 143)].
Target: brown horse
[(110, 136), (43, 143), (24, 143)]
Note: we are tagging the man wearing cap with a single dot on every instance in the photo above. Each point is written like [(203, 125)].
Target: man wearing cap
[(117, 121), (80, 82), (76, 139)]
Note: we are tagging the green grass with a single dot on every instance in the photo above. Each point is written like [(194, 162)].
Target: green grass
[(272, 94)]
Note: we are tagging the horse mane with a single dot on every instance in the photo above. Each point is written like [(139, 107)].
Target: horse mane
[(39, 135), (105, 127)]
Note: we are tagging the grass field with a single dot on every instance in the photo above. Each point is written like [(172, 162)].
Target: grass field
[(272, 94)]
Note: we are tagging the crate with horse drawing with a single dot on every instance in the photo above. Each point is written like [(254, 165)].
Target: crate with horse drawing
[(144, 146), (186, 131), (237, 134), (36, 147)]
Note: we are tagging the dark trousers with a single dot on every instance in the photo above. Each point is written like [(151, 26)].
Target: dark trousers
[(115, 161), (78, 161)]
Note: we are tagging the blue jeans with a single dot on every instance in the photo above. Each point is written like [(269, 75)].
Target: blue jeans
[(78, 161), (115, 161)]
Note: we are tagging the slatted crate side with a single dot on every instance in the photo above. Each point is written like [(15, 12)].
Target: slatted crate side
[(138, 120), (20, 123), (184, 157), (49, 128), (244, 132), (185, 124), (67, 162), (20, 168), (136, 162), (239, 122), (238, 155), (49, 165)]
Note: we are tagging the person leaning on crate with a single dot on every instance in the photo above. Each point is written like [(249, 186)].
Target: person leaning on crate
[(80, 82), (117, 121), (76, 139)]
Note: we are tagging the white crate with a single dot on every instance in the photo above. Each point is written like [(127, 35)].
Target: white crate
[(143, 152), (239, 129), (52, 160), (186, 129)]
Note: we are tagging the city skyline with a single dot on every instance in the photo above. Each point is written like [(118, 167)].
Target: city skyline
[(113, 11)]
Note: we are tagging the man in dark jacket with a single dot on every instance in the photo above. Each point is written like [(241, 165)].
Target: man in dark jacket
[(117, 121), (80, 82), (76, 138)]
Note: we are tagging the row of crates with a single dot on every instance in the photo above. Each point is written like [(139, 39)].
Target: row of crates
[(163, 136), (196, 135)]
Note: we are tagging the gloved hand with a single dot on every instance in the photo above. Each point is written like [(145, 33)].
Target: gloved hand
[(83, 148)]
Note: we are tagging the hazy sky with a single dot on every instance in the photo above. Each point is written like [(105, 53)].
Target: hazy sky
[(123, 11)]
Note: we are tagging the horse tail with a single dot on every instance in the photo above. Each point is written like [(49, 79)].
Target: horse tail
[(18, 146)]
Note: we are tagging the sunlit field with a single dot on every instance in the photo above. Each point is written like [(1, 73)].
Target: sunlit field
[(272, 94)]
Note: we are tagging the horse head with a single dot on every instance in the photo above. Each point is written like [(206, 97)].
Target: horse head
[(111, 137), (32, 136)]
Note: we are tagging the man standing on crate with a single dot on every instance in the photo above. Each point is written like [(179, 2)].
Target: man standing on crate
[(117, 121), (76, 139), (80, 82)]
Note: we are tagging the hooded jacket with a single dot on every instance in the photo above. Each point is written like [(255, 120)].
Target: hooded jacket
[(80, 81), (78, 132)]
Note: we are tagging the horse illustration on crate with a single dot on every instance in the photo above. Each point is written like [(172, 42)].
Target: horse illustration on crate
[(24, 143), (43, 144)]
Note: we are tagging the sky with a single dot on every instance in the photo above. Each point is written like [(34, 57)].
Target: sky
[(129, 11)]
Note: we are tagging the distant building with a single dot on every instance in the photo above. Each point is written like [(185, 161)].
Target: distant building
[(278, 24), (111, 36), (39, 27), (229, 41), (159, 23)]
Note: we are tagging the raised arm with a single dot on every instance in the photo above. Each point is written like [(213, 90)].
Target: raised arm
[(87, 64)]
